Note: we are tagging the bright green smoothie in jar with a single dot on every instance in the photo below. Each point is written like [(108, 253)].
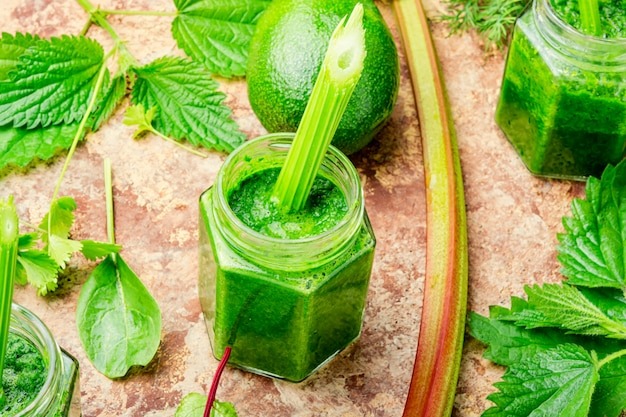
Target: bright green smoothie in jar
[(286, 291), (563, 97)]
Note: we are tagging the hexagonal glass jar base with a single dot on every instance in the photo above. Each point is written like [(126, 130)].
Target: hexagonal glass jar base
[(283, 325)]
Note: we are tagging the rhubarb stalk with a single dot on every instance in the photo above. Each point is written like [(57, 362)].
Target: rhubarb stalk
[(438, 357)]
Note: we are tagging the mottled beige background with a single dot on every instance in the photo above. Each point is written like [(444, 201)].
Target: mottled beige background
[(512, 220)]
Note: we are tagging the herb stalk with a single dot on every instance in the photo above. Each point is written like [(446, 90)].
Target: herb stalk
[(442, 326), (338, 76), (9, 236), (590, 17)]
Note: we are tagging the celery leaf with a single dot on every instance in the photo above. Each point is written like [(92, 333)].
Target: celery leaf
[(592, 248), (20, 146), (11, 48), (51, 83), (189, 104), (38, 269), (94, 250), (217, 33), (558, 382)]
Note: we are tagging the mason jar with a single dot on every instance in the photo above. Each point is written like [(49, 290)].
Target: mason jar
[(59, 396), (285, 306), (562, 103)]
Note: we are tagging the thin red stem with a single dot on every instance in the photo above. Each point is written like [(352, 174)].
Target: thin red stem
[(216, 380)]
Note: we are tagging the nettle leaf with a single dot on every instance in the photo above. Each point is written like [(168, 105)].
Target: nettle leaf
[(38, 269), (51, 83), (564, 306), (110, 99), (119, 322), (608, 398), (189, 104), (21, 146), (217, 33), (592, 248), (11, 48), (558, 383)]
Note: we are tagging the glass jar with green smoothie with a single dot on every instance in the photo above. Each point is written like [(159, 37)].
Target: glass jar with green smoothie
[(563, 98), (39, 378), (286, 291), (286, 247)]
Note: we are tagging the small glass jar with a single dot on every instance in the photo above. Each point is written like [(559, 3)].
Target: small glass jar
[(562, 103), (285, 306), (60, 393)]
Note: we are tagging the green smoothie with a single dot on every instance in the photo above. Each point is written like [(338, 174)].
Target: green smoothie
[(24, 374), (565, 114), (280, 321)]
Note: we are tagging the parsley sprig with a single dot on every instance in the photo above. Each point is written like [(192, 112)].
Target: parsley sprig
[(565, 344)]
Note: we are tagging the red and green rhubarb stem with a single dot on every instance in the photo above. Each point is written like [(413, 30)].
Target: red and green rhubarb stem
[(9, 236), (438, 357)]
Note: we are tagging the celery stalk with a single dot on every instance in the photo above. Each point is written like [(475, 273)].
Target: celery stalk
[(338, 76), (590, 17), (438, 357), (9, 235)]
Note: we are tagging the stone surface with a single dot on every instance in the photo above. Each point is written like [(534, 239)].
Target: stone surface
[(513, 219)]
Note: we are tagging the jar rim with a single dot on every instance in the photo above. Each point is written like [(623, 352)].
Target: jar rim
[(261, 246), (570, 30), (35, 330)]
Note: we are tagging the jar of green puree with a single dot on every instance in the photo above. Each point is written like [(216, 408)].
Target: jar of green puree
[(286, 291), (563, 97), (39, 378)]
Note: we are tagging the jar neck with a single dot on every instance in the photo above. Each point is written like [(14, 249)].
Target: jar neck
[(593, 52), (28, 326), (267, 152)]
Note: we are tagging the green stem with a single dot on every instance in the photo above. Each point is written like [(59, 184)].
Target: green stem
[(340, 72), (611, 357), (79, 132), (98, 18), (590, 17), (9, 236), (137, 13), (108, 190)]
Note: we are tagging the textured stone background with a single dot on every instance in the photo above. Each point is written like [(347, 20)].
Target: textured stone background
[(513, 219)]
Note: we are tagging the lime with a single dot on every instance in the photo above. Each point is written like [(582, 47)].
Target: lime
[(286, 54)]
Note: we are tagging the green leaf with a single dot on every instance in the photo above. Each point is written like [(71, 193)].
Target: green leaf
[(119, 322), (21, 146), (193, 405), (510, 344), (38, 269), (62, 214), (93, 250), (52, 82), (592, 248), (190, 106), (137, 115), (564, 306), (609, 397), (61, 249), (109, 101), (557, 383), (217, 33), (11, 48)]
